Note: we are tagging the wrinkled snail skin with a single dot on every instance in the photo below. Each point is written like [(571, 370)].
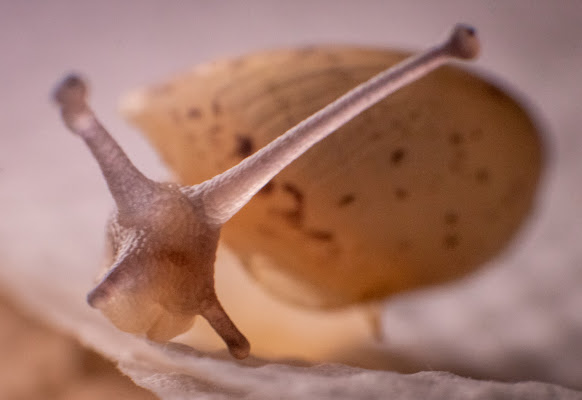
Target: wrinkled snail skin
[(163, 237)]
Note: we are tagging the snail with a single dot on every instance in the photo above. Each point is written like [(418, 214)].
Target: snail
[(162, 237)]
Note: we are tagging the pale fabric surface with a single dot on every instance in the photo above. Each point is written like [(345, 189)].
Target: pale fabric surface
[(518, 320), (39, 363)]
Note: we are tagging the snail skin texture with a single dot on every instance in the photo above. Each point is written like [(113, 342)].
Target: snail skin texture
[(348, 223), (422, 188)]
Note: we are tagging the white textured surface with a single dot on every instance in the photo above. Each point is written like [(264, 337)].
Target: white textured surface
[(519, 320)]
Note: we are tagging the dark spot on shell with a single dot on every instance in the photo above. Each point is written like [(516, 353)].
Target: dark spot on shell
[(294, 191), (451, 218), (244, 146), (401, 193), (456, 138), (295, 216), (268, 188), (194, 113), (451, 241), (216, 108), (397, 156), (324, 236), (482, 175), (346, 200)]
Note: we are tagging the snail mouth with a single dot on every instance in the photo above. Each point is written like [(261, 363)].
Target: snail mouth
[(138, 314)]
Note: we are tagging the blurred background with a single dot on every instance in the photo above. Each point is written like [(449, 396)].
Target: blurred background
[(519, 319)]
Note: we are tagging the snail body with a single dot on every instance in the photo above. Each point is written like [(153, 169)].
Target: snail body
[(421, 188)]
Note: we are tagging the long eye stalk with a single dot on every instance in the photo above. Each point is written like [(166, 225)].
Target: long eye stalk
[(228, 192), (128, 186)]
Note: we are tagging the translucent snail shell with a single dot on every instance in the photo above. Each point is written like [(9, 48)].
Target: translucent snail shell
[(420, 189)]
